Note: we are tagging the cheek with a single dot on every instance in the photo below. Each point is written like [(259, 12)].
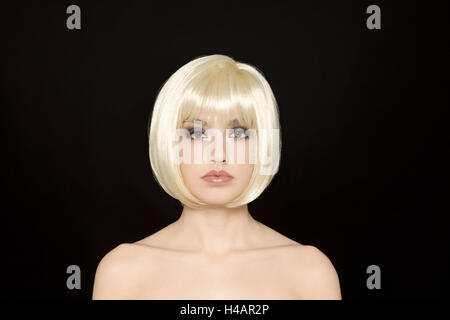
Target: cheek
[(191, 173), (244, 172), (193, 152), (249, 170), (186, 171), (242, 152)]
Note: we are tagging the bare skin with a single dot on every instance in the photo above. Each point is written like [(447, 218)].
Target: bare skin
[(219, 254)]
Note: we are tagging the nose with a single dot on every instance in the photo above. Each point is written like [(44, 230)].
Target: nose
[(218, 157), (218, 154), (217, 161)]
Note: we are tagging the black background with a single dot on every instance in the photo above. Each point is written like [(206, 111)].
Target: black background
[(363, 173)]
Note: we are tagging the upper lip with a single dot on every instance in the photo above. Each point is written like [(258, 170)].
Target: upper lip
[(218, 173)]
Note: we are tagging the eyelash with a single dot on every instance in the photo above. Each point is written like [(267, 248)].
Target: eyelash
[(244, 129)]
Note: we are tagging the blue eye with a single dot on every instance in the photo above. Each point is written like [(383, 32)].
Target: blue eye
[(197, 134), (236, 133), (239, 133)]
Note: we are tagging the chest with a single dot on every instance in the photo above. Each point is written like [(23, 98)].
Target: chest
[(256, 278)]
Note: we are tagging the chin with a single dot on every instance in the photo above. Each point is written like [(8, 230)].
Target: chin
[(217, 201)]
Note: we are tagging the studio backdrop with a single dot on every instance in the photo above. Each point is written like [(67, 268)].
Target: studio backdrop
[(363, 173)]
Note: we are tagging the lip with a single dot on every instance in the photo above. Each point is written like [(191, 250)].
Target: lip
[(217, 177)]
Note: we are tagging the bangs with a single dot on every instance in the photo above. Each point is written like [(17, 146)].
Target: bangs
[(224, 91)]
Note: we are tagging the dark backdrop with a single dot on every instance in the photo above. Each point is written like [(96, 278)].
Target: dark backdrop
[(363, 174)]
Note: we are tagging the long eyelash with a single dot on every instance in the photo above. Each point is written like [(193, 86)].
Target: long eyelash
[(246, 136), (191, 130), (234, 128), (240, 127)]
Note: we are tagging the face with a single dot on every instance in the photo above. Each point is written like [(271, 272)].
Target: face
[(220, 165)]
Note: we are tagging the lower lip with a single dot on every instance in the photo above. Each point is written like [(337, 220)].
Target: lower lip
[(217, 179)]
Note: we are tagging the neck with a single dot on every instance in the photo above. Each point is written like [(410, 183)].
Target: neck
[(216, 229)]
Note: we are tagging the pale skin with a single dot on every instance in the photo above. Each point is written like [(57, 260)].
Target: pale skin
[(215, 252)]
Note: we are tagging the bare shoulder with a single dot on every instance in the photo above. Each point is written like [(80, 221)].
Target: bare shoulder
[(159, 239), (275, 238), (313, 273), (117, 273)]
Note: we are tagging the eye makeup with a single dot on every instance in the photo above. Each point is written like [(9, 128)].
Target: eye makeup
[(196, 131), (236, 133)]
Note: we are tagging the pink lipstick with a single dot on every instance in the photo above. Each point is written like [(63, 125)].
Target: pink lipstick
[(217, 177)]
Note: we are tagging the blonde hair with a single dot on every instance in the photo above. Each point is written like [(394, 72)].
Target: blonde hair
[(213, 83)]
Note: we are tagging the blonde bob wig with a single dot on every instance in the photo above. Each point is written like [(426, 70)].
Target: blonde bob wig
[(220, 84)]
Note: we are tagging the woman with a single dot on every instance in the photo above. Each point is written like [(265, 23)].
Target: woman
[(214, 145)]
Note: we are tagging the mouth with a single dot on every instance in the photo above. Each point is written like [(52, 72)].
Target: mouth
[(217, 177)]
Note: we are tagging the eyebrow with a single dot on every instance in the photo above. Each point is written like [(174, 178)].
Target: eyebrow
[(234, 122)]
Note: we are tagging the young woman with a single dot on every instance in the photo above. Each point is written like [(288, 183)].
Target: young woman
[(214, 144)]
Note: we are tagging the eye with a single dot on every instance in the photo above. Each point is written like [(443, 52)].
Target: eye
[(197, 134), (239, 133)]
